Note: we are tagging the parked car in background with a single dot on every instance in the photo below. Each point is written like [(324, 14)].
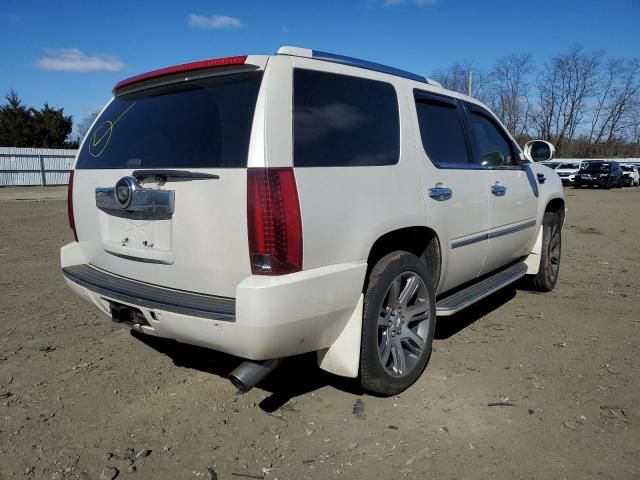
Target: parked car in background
[(269, 206), (599, 173), (567, 172), (631, 175)]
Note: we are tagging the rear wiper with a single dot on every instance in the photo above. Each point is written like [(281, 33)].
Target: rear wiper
[(173, 175)]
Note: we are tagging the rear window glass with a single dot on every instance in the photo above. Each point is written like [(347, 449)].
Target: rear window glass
[(442, 132), (200, 123), (344, 121)]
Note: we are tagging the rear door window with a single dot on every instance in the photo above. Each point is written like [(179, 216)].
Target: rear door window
[(344, 121), (203, 123), (441, 130)]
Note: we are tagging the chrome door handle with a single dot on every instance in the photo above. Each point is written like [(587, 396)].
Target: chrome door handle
[(440, 193), (499, 190)]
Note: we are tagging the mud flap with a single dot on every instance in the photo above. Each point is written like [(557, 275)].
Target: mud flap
[(343, 357), (533, 259)]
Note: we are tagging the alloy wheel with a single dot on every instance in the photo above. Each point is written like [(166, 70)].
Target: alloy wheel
[(403, 324)]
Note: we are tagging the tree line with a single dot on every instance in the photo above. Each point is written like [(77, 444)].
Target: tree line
[(22, 126), (587, 105)]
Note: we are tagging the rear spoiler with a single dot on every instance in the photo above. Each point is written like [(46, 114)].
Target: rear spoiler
[(185, 67)]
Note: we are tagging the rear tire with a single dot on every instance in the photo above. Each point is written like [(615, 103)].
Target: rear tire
[(547, 276), (398, 324)]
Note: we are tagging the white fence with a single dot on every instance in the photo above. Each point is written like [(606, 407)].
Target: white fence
[(35, 166)]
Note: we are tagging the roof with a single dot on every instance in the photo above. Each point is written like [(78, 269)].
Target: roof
[(286, 50), (354, 62)]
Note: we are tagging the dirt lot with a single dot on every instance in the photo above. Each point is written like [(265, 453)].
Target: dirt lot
[(77, 391)]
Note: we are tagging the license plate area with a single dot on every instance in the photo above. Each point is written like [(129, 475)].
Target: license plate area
[(137, 236)]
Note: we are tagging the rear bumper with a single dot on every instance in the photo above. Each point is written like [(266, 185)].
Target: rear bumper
[(150, 296), (271, 317)]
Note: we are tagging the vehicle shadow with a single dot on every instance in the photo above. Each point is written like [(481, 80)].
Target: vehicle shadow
[(300, 375), (294, 377), (447, 327)]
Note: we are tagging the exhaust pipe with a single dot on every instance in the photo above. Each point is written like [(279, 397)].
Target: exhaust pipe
[(248, 374)]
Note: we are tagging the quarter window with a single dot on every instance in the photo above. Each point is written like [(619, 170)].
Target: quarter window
[(493, 148), (343, 121), (441, 130)]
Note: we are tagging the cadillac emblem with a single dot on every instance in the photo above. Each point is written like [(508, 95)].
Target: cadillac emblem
[(124, 191)]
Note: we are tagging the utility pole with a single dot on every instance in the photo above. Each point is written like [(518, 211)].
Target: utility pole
[(469, 82)]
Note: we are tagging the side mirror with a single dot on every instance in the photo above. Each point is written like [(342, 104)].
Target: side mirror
[(539, 151)]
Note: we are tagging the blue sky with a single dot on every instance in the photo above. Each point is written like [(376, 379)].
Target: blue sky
[(70, 53)]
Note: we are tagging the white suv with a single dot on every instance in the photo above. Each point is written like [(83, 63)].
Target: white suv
[(631, 176), (268, 206), (567, 172)]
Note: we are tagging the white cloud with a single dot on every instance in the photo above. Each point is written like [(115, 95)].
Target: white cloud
[(73, 60), (215, 22)]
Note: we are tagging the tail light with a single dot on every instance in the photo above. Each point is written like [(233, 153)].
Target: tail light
[(72, 222), (274, 222)]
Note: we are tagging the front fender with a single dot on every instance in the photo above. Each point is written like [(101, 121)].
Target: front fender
[(551, 189)]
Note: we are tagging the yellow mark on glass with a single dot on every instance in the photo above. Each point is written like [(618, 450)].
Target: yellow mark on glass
[(102, 134)]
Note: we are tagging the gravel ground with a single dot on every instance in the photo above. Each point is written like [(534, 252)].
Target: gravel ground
[(522, 385)]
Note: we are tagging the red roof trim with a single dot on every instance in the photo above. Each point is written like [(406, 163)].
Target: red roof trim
[(186, 67)]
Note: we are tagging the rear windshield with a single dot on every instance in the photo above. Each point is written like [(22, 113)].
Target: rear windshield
[(200, 123)]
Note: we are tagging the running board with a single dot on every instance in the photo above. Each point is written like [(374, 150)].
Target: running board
[(455, 302)]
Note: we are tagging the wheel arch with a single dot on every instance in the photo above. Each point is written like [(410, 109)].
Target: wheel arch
[(422, 241), (556, 205)]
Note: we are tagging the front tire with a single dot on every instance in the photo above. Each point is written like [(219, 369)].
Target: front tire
[(398, 324), (547, 276)]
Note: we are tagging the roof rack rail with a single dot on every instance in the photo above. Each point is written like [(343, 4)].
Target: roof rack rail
[(354, 62)]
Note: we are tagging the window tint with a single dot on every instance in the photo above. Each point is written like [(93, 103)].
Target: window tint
[(442, 132), (493, 148), (201, 123), (341, 121)]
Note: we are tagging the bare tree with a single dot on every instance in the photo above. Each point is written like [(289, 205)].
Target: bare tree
[(456, 77), (584, 105), (83, 127), (508, 91), (617, 102), (566, 84)]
